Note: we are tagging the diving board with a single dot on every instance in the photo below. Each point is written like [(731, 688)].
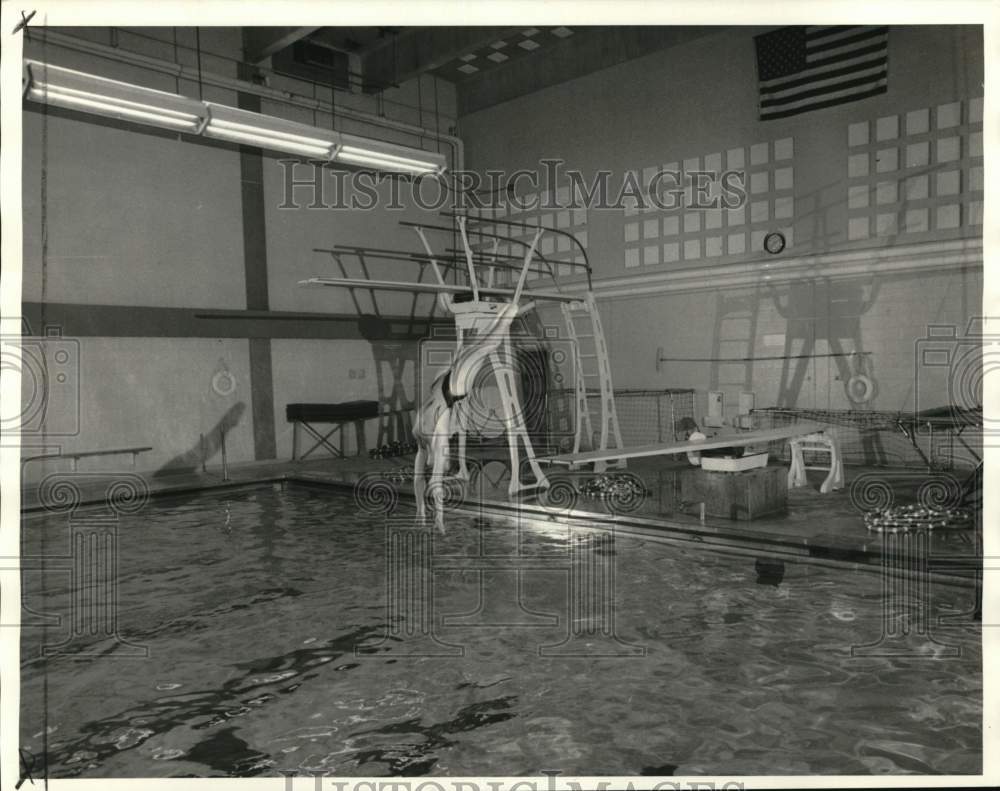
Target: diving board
[(670, 449), (433, 288)]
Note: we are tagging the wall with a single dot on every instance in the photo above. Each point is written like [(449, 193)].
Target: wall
[(148, 229), (147, 271), (694, 106), (321, 370)]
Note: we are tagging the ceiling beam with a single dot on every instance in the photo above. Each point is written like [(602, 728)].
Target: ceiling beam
[(261, 43), (335, 39), (417, 50)]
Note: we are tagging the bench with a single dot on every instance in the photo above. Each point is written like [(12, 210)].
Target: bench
[(339, 415)]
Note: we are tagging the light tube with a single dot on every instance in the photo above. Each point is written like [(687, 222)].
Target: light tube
[(228, 126), (77, 90), (405, 161), (98, 104), (266, 131), (383, 161), (264, 141), (387, 156)]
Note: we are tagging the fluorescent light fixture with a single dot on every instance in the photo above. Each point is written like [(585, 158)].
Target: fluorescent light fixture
[(386, 156), (77, 90), (266, 131)]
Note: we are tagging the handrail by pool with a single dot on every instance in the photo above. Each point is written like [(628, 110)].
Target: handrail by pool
[(75, 456)]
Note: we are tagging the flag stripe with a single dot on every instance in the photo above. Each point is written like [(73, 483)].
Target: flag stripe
[(813, 33), (806, 68), (863, 36), (869, 50), (844, 70), (837, 85), (831, 56), (828, 103), (860, 83), (796, 101), (807, 101)]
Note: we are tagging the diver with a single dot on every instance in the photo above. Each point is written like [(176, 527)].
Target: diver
[(437, 420)]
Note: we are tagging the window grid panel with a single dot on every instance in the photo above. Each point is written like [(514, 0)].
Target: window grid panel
[(919, 172), (687, 234)]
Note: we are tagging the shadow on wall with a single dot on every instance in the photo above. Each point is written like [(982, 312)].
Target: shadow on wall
[(803, 307), (392, 351), (208, 445)]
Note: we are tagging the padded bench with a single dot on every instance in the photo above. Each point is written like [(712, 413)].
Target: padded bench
[(305, 415)]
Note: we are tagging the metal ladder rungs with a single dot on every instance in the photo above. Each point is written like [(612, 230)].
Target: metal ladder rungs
[(607, 424)]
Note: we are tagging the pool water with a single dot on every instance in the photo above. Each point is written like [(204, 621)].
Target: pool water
[(296, 630)]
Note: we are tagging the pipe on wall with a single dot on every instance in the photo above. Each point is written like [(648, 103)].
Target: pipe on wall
[(958, 254)]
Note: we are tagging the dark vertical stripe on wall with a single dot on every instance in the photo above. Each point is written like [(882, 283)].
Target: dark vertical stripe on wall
[(255, 266), (254, 232), (262, 398)]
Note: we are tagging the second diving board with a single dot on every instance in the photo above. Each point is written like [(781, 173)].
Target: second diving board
[(669, 449), (433, 288)]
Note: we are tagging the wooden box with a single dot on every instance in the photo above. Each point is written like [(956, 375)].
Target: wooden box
[(749, 494)]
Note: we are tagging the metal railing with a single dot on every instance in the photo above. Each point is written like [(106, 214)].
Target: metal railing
[(75, 456)]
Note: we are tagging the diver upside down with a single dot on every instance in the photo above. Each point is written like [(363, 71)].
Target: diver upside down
[(437, 418)]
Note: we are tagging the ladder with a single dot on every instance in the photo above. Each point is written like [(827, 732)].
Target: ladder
[(735, 341), (593, 372)]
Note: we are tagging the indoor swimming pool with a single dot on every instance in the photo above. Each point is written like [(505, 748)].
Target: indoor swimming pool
[(286, 629)]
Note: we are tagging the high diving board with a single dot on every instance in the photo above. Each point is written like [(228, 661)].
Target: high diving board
[(731, 441), (433, 288)]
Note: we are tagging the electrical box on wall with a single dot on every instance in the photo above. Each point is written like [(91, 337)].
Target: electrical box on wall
[(716, 409)]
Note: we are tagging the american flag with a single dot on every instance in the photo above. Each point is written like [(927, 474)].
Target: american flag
[(806, 68)]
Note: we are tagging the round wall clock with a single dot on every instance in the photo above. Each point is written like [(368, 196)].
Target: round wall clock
[(774, 242)]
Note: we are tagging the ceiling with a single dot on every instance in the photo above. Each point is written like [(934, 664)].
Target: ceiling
[(487, 64)]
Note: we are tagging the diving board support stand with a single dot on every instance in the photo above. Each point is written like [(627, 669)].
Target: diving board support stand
[(476, 315), (517, 432), (502, 367)]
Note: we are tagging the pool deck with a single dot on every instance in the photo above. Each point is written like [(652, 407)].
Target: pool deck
[(822, 528)]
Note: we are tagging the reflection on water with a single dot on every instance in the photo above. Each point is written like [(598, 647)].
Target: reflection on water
[(276, 643)]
